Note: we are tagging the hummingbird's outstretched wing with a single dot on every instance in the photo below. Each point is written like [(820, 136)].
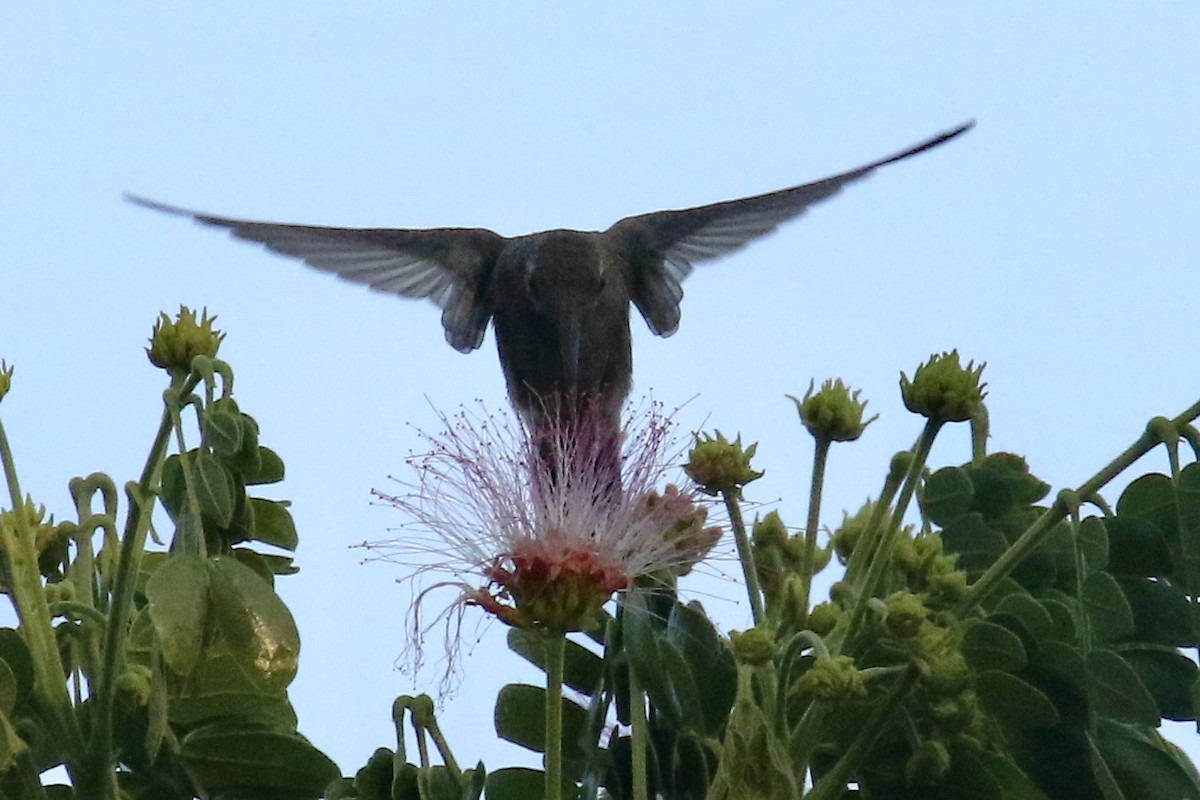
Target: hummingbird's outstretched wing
[(450, 266), (661, 247)]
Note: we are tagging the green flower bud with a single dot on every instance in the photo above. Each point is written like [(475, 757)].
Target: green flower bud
[(794, 550), (833, 678), (834, 413), (928, 765), (770, 531), (943, 390), (718, 465), (755, 647), (173, 344), (5, 378), (768, 540), (823, 618), (852, 529), (134, 685), (905, 614)]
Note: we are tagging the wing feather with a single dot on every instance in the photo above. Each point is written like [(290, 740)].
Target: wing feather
[(450, 266)]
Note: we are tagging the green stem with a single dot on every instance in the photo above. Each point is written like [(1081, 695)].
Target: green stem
[(29, 599), (745, 555), (833, 783), (1035, 533), (809, 557), (881, 558), (638, 738), (979, 434), (556, 645), (133, 544)]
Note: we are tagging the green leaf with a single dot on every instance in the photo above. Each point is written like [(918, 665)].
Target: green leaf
[(15, 654), (1143, 770), (663, 672), (1137, 548), (8, 688), (222, 429), (247, 460), (973, 767), (172, 484), (1033, 614), (710, 662), (977, 545), (1093, 543), (516, 783), (583, 670), (229, 758), (254, 622), (948, 494), (520, 718), (1065, 615), (219, 688), (269, 469), (1107, 609), (1169, 677), (1014, 702), (1117, 691), (1162, 613), (177, 597), (1063, 670), (213, 486), (1187, 495), (990, 646), (1150, 497), (273, 523), (1003, 481)]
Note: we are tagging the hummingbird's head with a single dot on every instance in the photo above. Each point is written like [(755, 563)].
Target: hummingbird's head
[(565, 275)]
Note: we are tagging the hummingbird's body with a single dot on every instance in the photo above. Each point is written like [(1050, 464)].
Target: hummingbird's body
[(558, 300)]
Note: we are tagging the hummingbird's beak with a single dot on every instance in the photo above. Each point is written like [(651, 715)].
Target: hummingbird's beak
[(569, 342)]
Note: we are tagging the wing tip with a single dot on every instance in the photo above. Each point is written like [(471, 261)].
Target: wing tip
[(154, 205)]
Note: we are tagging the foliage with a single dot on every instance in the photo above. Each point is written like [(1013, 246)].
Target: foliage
[(981, 642)]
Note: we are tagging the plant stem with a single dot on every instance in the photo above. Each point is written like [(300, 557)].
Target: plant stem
[(638, 738), (881, 558), (809, 557), (745, 555), (133, 544), (30, 601), (556, 645)]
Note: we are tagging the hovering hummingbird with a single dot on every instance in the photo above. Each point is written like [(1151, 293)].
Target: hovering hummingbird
[(559, 299)]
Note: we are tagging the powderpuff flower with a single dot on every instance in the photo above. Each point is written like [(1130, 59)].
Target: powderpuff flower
[(536, 529)]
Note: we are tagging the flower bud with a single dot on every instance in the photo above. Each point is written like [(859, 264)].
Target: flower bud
[(943, 390), (852, 529), (928, 764), (754, 647), (718, 465), (134, 685), (834, 413), (5, 378), (905, 613), (823, 618), (832, 678), (173, 344)]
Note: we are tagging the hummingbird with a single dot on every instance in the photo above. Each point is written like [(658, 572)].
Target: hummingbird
[(558, 300)]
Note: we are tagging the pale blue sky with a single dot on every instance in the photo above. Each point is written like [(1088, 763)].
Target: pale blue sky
[(1057, 241)]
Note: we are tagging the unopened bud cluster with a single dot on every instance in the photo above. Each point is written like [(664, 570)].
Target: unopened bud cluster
[(719, 466), (943, 390), (174, 343), (833, 414)]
